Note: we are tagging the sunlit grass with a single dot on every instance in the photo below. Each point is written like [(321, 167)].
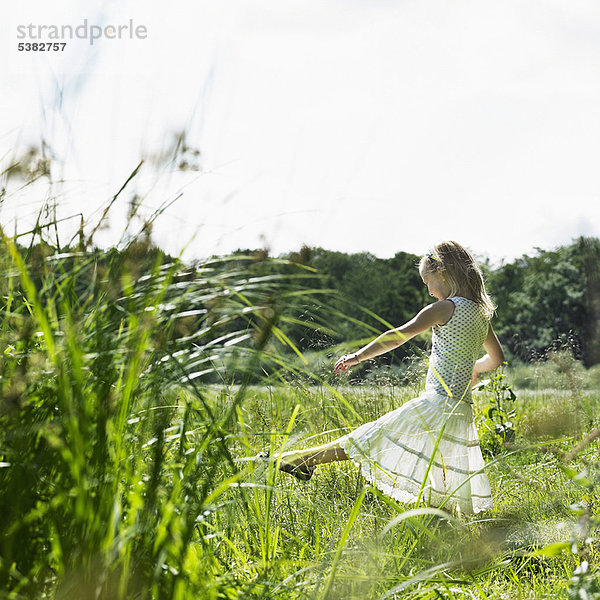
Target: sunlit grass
[(131, 405), (488, 555)]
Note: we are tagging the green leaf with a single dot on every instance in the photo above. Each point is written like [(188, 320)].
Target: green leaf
[(555, 549)]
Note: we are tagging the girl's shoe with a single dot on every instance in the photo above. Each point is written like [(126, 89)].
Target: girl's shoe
[(301, 472)]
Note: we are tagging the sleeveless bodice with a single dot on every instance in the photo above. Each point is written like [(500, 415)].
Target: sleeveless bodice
[(455, 348)]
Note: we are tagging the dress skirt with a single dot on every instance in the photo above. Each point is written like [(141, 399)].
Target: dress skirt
[(427, 449)]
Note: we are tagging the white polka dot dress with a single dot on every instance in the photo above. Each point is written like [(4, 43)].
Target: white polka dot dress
[(428, 448)]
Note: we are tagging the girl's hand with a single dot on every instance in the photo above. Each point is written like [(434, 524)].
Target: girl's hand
[(476, 373), (342, 364)]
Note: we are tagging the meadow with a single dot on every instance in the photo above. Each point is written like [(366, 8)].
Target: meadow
[(133, 399), (336, 537)]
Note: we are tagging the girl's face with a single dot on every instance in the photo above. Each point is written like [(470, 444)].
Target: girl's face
[(436, 285)]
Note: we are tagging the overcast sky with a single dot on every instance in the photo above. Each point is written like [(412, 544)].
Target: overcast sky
[(366, 125)]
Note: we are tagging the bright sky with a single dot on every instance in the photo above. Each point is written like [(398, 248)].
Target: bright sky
[(356, 125)]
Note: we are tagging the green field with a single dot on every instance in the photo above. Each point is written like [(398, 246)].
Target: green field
[(336, 537), (132, 398)]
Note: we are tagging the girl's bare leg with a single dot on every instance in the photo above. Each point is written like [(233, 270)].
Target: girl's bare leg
[(315, 456)]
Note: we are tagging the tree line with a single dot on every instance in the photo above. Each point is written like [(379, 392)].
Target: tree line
[(547, 300)]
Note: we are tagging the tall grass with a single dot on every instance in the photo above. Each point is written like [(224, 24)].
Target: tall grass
[(131, 401), (109, 470), (382, 546)]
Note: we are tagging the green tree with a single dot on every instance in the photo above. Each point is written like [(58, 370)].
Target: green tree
[(550, 299)]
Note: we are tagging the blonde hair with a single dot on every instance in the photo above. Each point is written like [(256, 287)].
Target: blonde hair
[(460, 271)]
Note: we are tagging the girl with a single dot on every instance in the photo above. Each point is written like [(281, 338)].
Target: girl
[(395, 452)]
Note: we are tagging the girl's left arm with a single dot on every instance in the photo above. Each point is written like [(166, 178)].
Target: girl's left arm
[(494, 357), (433, 314)]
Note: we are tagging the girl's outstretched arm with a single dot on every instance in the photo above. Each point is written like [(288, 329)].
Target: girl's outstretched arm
[(494, 357), (434, 314)]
